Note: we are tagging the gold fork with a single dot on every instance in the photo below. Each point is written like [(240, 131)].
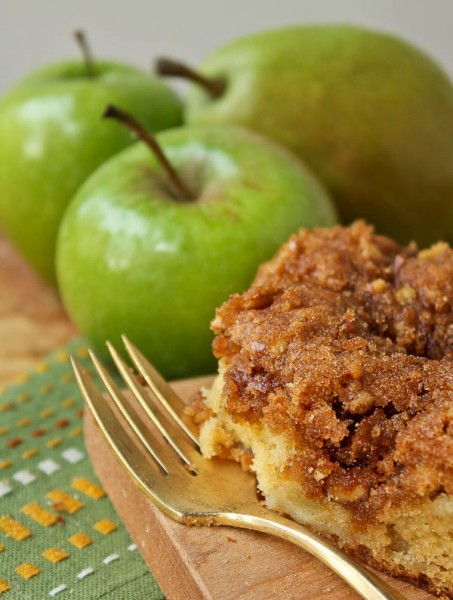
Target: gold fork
[(165, 461)]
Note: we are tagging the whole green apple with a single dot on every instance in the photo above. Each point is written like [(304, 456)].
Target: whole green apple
[(137, 256), (370, 114), (52, 137)]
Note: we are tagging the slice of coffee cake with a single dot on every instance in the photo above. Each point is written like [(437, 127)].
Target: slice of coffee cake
[(335, 387)]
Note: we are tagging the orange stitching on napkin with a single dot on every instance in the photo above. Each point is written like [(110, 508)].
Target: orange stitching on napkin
[(4, 464), (68, 403), (27, 570), (104, 526), (63, 501), (13, 442), (29, 453), (55, 554), (38, 432), (53, 442), (45, 388), (42, 367), (76, 431), (80, 540), (23, 397), (3, 430), (62, 356), (39, 514), (4, 586), (4, 406), (46, 412), (2, 547), (67, 378), (87, 487), (61, 423), (23, 422), (13, 528)]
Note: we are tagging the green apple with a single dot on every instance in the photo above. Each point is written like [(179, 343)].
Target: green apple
[(140, 256), (370, 114), (52, 137)]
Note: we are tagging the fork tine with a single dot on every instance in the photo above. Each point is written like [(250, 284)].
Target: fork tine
[(145, 473), (144, 402), (119, 400), (161, 452), (162, 391), (103, 414)]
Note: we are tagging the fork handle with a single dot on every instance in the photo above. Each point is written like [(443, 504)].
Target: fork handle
[(365, 583)]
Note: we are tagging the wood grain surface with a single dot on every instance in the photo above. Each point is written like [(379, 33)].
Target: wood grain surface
[(32, 319), (216, 563)]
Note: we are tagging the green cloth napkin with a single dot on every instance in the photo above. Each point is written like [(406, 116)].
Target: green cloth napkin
[(59, 534)]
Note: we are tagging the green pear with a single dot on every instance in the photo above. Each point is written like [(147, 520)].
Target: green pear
[(370, 114)]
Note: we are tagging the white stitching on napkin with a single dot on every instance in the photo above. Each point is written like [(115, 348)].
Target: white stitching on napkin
[(5, 488), (73, 455), (58, 589), (110, 558), (85, 572), (48, 466), (24, 477)]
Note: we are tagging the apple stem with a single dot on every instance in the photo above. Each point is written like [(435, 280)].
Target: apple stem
[(86, 52), (168, 67), (113, 112)]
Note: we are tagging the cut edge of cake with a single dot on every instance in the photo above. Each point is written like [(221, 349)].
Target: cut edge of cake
[(403, 542)]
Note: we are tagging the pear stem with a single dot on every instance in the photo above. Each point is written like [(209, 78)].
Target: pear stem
[(86, 52), (168, 67), (113, 112)]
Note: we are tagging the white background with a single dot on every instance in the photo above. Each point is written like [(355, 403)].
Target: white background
[(34, 32)]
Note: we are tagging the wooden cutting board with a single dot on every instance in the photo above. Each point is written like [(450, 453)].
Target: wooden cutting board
[(190, 563), (215, 563), (32, 319)]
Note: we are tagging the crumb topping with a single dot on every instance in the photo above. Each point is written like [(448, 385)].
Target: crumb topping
[(344, 344)]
